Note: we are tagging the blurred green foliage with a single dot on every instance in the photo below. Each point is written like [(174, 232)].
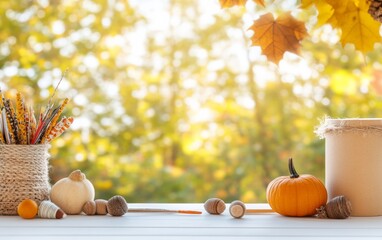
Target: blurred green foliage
[(173, 105)]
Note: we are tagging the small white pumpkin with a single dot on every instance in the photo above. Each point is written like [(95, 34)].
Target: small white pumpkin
[(71, 193)]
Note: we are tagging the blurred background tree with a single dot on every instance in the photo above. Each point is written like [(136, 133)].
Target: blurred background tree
[(170, 102)]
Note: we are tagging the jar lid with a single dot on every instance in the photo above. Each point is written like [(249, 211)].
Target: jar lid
[(344, 125)]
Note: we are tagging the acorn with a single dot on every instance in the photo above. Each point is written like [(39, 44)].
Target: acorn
[(237, 209), (214, 206), (117, 206), (337, 208), (101, 206), (89, 208)]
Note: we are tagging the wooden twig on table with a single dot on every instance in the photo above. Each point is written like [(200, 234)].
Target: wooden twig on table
[(258, 211), (158, 210)]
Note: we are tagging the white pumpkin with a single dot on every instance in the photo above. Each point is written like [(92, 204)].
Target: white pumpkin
[(71, 193)]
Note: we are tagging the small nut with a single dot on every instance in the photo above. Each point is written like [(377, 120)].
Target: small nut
[(214, 206), (337, 208), (237, 209), (89, 208), (101, 206), (117, 206)]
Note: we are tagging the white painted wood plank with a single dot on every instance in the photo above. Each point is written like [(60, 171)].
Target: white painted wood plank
[(184, 238), (205, 220), (193, 231), (177, 226)]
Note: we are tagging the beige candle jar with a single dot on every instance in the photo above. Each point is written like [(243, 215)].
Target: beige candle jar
[(353, 162)]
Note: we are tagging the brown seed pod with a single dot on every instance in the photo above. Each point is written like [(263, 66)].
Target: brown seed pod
[(89, 208), (337, 208), (214, 206), (101, 206), (117, 206), (237, 209)]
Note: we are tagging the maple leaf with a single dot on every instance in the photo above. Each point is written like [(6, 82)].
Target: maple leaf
[(306, 3), (325, 11), (351, 17), (275, 37), (231, 3), (339, 6), (357, 26)]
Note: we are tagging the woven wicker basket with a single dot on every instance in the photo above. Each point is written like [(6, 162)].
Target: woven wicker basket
[(23, 174)]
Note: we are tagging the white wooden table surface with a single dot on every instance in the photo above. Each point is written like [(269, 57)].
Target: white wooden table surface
[(178, 226)]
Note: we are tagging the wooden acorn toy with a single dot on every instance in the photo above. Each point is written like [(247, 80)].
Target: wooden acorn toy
[(214, 206), (337, 208), (237, 209)]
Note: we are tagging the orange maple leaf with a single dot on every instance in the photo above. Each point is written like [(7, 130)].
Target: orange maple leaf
[(275, 37), (231, 3)]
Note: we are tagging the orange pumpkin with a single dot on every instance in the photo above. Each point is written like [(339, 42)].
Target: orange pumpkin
[(296, 195)]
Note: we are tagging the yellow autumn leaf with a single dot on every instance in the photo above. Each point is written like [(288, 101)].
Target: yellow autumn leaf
[(352, 18), (306, 3), (231, 3), (275, 37), (339, 6), (325, 13), (324, 9), (358, 27)]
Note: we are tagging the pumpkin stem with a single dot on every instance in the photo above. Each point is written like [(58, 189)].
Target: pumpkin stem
[(77, 175), (292, 171)]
